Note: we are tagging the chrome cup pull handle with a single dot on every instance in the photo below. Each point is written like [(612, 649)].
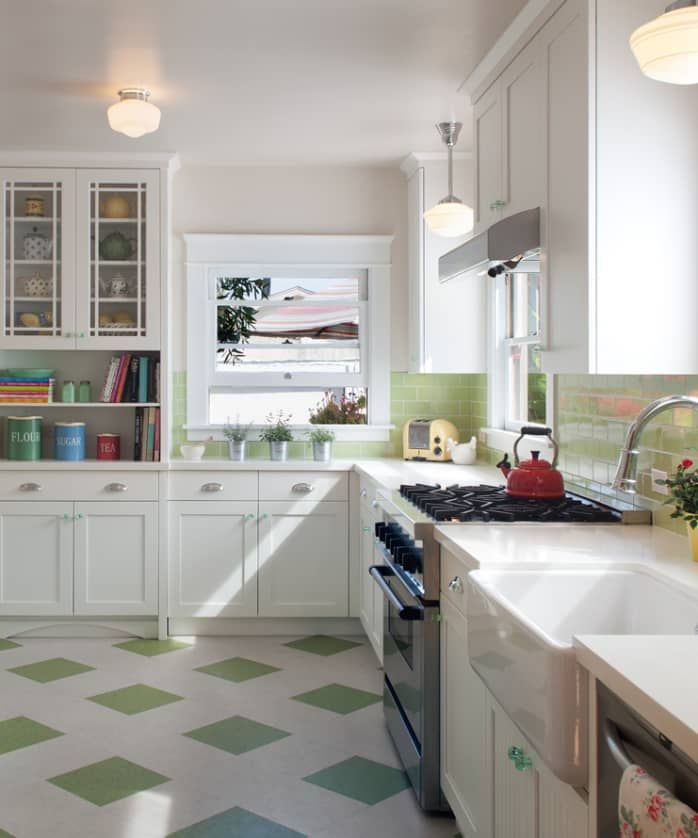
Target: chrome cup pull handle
[(455, 586), (212, 487), (30, 487), (116, 487), (302, 488), (364, 492)]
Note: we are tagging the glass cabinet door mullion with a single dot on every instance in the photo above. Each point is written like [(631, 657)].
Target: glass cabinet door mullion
[(139, 267)]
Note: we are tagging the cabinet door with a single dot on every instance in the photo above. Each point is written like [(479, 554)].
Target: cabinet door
[(37, 258), (416, 298), (562, 811), (115, 558), (466, 773), (36, 559), (515, 791), (213, 570), (118, 259), (523, 92), (488, 158), (303, 559), (371, 611)]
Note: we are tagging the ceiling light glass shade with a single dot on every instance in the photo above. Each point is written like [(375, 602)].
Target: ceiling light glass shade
[(451, 218), (134, 115), (667, 48)]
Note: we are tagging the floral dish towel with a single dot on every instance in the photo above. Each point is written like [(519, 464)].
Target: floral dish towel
[(646, 810)]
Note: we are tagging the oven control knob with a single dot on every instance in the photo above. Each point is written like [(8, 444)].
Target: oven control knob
[(455, 586), (437, 440), (438, 451), (411, 561)]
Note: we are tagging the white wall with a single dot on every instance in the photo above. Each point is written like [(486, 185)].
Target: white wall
[(349, 200)]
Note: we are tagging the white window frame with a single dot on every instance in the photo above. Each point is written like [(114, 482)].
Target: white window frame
[(502, 431), (208, 256)]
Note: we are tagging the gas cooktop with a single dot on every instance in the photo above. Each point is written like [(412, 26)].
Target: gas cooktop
[(491, 503)]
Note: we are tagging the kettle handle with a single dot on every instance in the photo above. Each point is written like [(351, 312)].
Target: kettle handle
[(536, 430)]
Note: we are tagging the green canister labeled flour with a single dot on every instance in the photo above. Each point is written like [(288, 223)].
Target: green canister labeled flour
[(24, 437)]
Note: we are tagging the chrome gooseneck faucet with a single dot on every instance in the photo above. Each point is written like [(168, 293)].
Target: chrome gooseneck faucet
[(626, 473)]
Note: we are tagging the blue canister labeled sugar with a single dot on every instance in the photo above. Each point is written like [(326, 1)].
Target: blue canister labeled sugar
[(70, 441)]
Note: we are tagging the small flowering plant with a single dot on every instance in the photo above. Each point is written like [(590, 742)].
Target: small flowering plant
[(684, 493)]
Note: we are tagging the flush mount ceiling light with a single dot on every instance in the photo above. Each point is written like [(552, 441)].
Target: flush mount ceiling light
[(450, 217), (667, 48), (134, 115)]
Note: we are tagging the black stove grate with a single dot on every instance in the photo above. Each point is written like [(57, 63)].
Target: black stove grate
[(491, 503)]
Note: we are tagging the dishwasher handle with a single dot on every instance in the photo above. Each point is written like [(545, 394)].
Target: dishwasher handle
[(665, 753), (615, 746), (405, 612)]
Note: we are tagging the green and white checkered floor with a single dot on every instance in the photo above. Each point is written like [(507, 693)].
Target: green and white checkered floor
[(234, 737)]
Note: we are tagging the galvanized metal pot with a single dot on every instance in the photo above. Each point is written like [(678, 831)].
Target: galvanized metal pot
[(278, 451), (322, 452), (237, 450)]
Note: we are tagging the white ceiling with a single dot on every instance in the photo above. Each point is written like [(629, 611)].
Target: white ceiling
[(244, 81)]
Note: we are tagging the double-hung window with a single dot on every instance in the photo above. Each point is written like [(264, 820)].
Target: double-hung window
[(270, 333)]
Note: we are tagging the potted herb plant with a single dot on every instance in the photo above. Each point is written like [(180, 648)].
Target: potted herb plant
[(236, 435), (683, 487), (322, 440), (278, 434)]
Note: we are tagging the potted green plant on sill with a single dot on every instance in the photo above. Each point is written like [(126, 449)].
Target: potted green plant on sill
[(236, 436), (683, 487), (322, 440), (278, 434)]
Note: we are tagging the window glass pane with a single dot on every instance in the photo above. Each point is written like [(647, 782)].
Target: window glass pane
[(333, 407), (526, 396), (524, 305), (299, 287), (288, 338)]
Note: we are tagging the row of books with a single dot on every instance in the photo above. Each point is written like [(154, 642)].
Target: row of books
[(131, 378), (26, 390), (146, 446)]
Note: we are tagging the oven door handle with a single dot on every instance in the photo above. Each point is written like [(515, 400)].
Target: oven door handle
[(405, 612)]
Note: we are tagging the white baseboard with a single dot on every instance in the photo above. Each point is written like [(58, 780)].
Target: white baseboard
[(74, 627), (266, 627)]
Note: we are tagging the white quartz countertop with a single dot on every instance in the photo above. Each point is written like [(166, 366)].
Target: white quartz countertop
[(656, 676)]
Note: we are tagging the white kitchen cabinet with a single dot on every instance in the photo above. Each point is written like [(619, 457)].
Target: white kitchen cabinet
[(619, 185), (465, 731), (371, 597), (446, 320), (515, 789), (213, 564), (115, 558), (489, 156), (303, 559), (36, 558)]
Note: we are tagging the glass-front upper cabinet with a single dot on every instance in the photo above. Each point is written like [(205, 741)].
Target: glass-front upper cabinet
[(118, 287), (37, 257)]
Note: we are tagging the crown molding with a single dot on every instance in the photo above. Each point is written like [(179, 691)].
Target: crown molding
[(169, 161)]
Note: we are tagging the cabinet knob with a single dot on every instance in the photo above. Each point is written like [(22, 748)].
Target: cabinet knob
[(250, 516), (116, 487), (455, 586), (365, 529), (264, 516), (212, 487), (374, 504), (82, 335), (68, 334), (302, 488), (519, 758), (364, 492), (79, 516), (30, 487), (66, 517)]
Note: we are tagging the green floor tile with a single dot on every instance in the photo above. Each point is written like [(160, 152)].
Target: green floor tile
[(237, 735), (150, 648), (361, 779), (339, 699), (51, 670), (7, 644), (135, 699), (236, 823), (320, 644), (21, 732), (237, 669), (109, 780)]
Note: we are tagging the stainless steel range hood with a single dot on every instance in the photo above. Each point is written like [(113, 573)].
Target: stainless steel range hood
[(507, 240)]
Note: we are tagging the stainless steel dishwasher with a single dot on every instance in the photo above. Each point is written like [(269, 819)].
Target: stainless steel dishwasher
[(625, 739)]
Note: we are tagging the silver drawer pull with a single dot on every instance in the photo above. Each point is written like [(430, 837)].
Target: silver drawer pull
[(364, 492), (212, 487), (302, 488), (455, 586), (30, 487), (116, 487), (374, 504)]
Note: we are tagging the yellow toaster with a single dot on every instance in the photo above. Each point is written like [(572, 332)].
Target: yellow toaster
[(426, 439)]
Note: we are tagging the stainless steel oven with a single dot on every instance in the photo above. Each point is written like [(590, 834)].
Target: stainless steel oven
[(411, 684)]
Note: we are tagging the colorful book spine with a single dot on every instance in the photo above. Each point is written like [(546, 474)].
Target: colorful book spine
[(123, 372), (156, 447), (137, 434), (143, 379), (150, 444), (133, 380), (110, 374)]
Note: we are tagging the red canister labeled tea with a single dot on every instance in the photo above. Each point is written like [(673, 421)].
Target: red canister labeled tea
[(108, 447)]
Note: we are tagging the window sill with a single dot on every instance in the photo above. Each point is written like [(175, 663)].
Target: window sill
[(343, 433), (502, 440)]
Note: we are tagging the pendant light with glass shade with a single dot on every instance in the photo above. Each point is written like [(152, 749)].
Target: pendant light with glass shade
[(134, 115), (667, 48), (450, 217)]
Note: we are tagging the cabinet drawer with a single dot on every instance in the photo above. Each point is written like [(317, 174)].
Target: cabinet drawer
[(213, 485), (59, 485), (452, 569), (367, 491), (303, 485)]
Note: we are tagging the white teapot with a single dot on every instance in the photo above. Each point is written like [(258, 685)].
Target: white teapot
[(464, 454)]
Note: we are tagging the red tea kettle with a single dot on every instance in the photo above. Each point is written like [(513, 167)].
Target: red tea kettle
[(534, 478)]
